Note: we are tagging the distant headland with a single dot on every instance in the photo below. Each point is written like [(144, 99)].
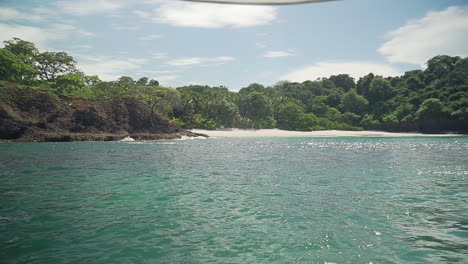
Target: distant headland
[(34, 116)]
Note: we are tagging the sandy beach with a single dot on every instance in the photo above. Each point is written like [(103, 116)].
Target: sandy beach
[(240, 133)]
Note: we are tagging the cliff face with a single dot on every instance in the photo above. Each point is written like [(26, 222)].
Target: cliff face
[(31, 115)]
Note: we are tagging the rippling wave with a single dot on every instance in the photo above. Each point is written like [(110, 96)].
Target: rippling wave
[(264, 200)]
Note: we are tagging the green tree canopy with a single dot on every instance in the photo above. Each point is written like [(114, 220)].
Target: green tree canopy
[(430, 108), (12, 68), (292, 117), (50, 65), (71, 85), (439, 66), (343, 81), (24, 50), (379, 90), (143, 81), (354, 103), (256, 106), (153, 83)]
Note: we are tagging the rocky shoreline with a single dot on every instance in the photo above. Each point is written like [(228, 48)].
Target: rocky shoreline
[(29, 115), (69, 137)]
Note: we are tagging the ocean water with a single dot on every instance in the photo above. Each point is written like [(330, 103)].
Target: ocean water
[(263, 200)]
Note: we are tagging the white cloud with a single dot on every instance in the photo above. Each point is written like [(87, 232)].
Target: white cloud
[(85, 33), (63, 31), (43, 11), (70, 21), (185, 61), (442, 32), (36, 35), (150, 37), (157, 72), (41, 36), (159, 55), (88, 7), (84, 46), (142, 14), (108, 68), (154, 1), (222, 59), (260, 44), (207, 15), (277, 54), (198, 60), (166, 78), (10, 14), (355, 69), (121, 27)]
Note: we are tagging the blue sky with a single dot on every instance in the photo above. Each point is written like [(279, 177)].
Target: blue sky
[(181, 43)]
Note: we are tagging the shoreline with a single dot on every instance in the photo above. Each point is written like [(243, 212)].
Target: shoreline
[(244, 133), (218, 133), (72, 137)]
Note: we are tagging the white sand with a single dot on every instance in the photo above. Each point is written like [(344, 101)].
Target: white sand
[(238, 133)]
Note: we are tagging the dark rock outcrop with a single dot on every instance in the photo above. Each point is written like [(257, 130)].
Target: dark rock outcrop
[(31, 115)]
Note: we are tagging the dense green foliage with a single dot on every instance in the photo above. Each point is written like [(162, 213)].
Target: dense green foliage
[(432, 100)]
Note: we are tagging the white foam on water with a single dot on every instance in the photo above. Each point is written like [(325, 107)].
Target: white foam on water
[(165, 143), (190, 138)]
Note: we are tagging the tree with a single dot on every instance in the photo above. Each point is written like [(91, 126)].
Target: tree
[(333, 114), (439, 67), (71, 85), (92, 80), (414, 83), (225, 112), (459, 75), (315, 87), (252, 87), (161, 99), (292, 117), (379, 90), (50, 65), (105, 90), (12, 68), (368, 122), (351, 119), (404, 111), (256, 106), (143, 81), (317, 105), (334, 98), (298, 92), (288, 116), (125, 86), (430, 108), (24, 50), (362, 86), (354, 103), (343, 81), (153, 83)]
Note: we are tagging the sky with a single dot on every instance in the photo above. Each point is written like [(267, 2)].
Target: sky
[(180, 43)]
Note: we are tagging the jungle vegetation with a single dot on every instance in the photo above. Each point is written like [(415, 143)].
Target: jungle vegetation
[(430, 100)]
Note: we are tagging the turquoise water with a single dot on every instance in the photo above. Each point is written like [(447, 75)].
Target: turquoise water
[(283, 200)]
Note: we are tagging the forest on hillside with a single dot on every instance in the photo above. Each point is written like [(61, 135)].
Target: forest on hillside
[(430, 100)]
